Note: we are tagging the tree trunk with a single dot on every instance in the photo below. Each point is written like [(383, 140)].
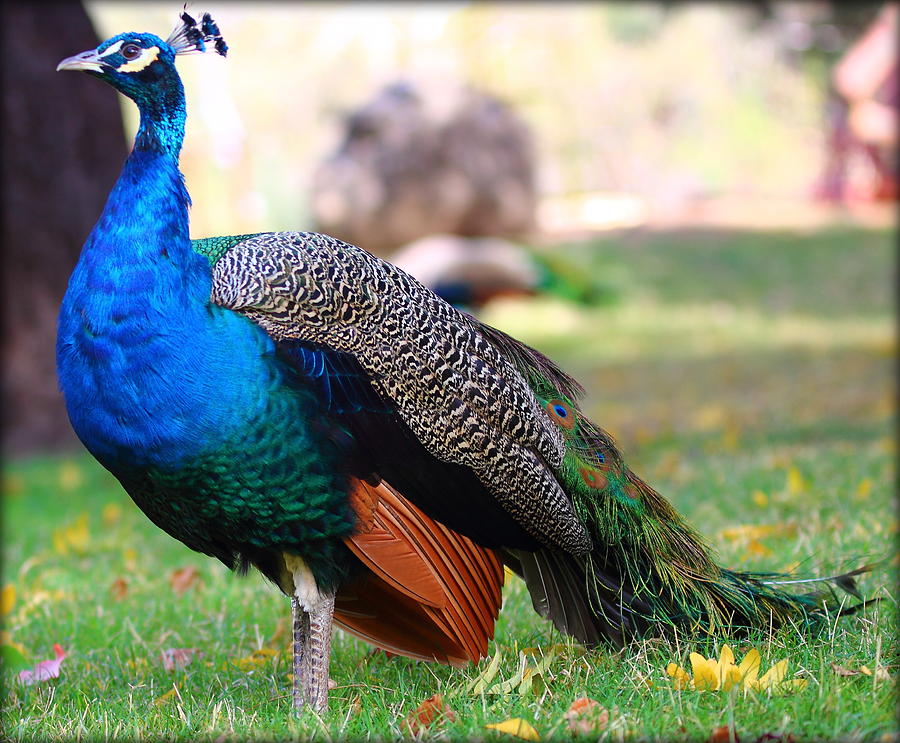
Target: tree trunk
[(63, 145)]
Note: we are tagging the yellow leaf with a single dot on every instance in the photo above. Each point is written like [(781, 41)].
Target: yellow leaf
[(7, 598), (130, 557), (704, 672), (74, 536), (755, 548), (760, 498), (708, 417), (60, 544), (796, 484), (774, 676), (793, 684), (865, 670), (864, 489), (480, 682), (749, 667), (758, 531), (165, 697), (722, 674), (682, 677), (726, 656), (111, 514), (70, 476), (730, 439), (255, 659), (517, 727), (727, 674), (505, 687), (6, 639), (136, 665)]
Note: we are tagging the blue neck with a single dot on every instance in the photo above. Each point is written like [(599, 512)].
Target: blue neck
[(162, 119), (143, 232), (129, 351)]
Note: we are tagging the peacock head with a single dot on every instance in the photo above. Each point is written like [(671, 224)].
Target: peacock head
[(140, 65)]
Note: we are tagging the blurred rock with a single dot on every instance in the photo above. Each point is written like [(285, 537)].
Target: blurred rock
[(421, 159), (63, 146)]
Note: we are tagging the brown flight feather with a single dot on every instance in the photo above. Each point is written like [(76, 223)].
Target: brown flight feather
[(432, 594)]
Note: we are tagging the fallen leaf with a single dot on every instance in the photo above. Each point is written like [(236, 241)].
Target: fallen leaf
[(758, 531), (586, 716), (7, 598), (111, 514), (136, 665), (74, 536), (183, 578), (70, 476), (119, 589), (760, 498), (163, 699), (255, 659), (796, 483), (682, 677), (517, 727), (721, 734), (712, 675), (130, 557), (176, 658), (842, 671), (480, 682), (45, 670), (749, 667), (755, 548), (430, 711), (505, 687)]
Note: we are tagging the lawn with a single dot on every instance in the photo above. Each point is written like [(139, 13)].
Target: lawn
[(748, 376)]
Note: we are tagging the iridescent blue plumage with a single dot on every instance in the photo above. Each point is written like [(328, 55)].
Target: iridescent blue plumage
[(186, 402)]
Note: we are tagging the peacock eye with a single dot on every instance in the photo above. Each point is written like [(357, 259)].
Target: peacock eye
[(130, 51)]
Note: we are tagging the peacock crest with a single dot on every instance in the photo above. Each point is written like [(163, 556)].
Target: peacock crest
[(191, 36)]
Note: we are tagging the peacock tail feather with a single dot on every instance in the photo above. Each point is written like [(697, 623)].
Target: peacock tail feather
[(647, 561)]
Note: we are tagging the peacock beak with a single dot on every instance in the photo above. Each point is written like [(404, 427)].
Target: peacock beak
[(89, 61)]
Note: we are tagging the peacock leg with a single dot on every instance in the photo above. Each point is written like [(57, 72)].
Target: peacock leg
[(301, 636), (318, 654), (312, 650)]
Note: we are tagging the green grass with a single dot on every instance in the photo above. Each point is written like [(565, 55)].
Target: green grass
[(728, 361)]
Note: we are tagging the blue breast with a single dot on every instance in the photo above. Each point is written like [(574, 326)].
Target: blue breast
[(151, 372)]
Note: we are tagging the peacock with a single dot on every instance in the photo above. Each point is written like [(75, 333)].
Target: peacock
[(289, 402)]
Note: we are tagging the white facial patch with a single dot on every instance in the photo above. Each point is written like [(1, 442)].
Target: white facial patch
[(112, 49), (146, 57)]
